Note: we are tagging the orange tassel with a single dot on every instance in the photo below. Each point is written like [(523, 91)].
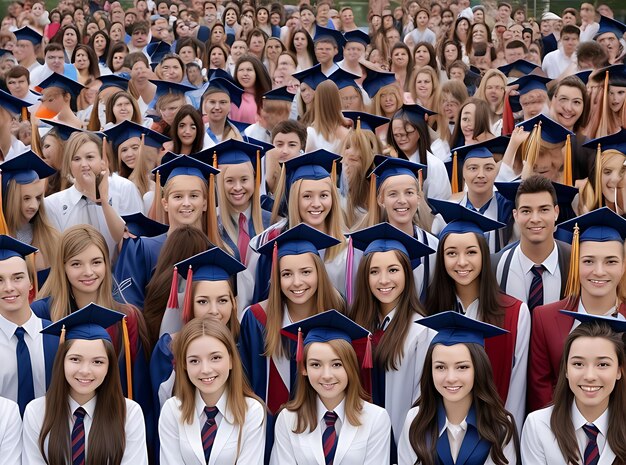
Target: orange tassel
[(214, 159), (455, 174), (367, 359), (24, 114), (187, 310), (567, 168), (257, 179), (172, 301), (4, 229), (300, 347), (420, 180), (333, 173), (129, 374), (358, 123), (372, 194), (598, 177), (572, 289)]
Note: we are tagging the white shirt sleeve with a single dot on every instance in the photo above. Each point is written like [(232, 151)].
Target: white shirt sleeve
[(10, 433), (135, 452), (516, 399), (283, 452)]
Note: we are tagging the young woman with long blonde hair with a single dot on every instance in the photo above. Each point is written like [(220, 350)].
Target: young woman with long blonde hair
[(327, 129)]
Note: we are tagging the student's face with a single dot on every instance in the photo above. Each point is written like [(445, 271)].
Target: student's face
[(194, 75), (451, 52), (324, 52), (217, 34), (171, 70), (467, 121), (288, 145), (400, 57), (315, 201), (32, 196), (55, 61), (140, 71), (99, 43), (122, 109), (536, 217), (69, 39), (86, 271), (238, 184), (399, 198), (18, 87), (422, 56), (392, 36), (87, 159), (613, 171), (187, 54), (592, 372), (405, 136), (298, 278), (86, 365), (457, 74), (453, 374), (217, 58), (462, 258), (129, 151), (213, 299), (387, 279), (479, 174), (300, 41), (208, 365), (567, 105), (479, 16), (610, 43), (246, 75), (306, 18), (231, 17), (15, 285), (168, 112), (187, 131), (350, 99), (513, 54), (51, 149), (81, 60), (326, 373), (601, 267), (479, 34), (23, 50), (163, 9), (216, 107), (139, 39), (262, 16), (307, 93), (450, 106), (185, 201), (238, 49), (617, 95), (569, 43), (117, 33)]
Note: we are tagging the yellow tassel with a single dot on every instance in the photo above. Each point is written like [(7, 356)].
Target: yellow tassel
[(24, 114), (4, 229), (455, 174), (372, 196), (333, 173), (534, 146), (62, 336), (598, 178), (215, 160), (420, 180), (129, 375), (33, 263), (567, 168), (257, 179), (572, 289), (358, 123)]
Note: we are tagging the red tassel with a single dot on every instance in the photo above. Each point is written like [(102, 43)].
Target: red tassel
[(300, 349), (187, 311), (508, 123), (172, 301), (367, 358)]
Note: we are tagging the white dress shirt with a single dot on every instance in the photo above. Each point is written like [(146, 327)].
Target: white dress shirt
[(10, 432)]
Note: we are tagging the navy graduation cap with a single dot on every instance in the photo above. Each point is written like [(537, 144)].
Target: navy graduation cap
[(601, 225), (62, 82), (166, 87), (564, 194), (89, 323), (326, 33), (29, 34), (495, 145), (617, 325), (10, 247), (299, 240), (12, 104), (312, 76), (141, 226), (27, 167), (219, 73), (462, 220), (523, 66), (387, 167), (113, 80), (384, 237), (531, 82), (313, 165), (344, 78), (551, 131), (63, 130), (127, 129), (157, 50), (240, 125), (615, 141), (324, 327), (610, 25), (453, 328), (367, 121), (617, 75), (584, 75), (376, 80), (357, 36), (265, 146), (228, 87), (280, 93), (230, 152), (212, 265), (417, 112), (184, 165)]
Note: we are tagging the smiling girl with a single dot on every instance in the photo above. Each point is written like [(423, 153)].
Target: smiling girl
[(214, 418)]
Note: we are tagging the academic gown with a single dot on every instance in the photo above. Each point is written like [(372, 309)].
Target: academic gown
[(367, 444), (473, 450), (135, 266), (181, 442)]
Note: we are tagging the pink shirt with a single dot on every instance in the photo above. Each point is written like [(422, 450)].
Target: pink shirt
[(246, 112)]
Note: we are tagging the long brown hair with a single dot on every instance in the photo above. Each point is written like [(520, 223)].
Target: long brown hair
[(366, 312), (327, 108), (237, 384), (326, 297), (108, 111), (183, 112), (107, 438), (304, 402), (494, 423), (561, 418)]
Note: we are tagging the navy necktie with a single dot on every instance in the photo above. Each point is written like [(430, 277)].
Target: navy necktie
[(592, 454), (25, 385), (535, 294), (329, 438), (78, 437), (209, 431)]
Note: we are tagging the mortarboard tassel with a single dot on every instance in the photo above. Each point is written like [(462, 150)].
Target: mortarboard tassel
[(455, 174), (62, 336), (373, 207), (187, 310), (358, 123), (508, 122), (156, 210), (24, 114), (349, 267), (598, 178), (567, 167), (420, 180), (603, 126), (32, 260), (4, 229), (333, 173), (257, 178), (572, 289), (300, 347), (172, 301), (367, 358), (129, 374)]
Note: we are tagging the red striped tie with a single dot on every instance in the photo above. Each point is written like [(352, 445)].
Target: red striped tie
[(592, 454), (78, 437), (329, 438), (243, 240), (535, 294), (209, 431)]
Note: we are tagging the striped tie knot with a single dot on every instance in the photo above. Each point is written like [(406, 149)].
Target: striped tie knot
[(330, 418), (211, 413), (79, 413), (592, 453), (591, 431)]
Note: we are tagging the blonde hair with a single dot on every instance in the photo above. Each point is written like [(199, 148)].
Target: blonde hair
[(438, 122), (589, 194), (326, 298), (327, 108), (481, 92), (376, 107), (76, 140)]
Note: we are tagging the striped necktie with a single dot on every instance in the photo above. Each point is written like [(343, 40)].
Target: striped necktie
[(592, 454), (243, 239), (26, 387), (329, 438), (535, 294), (78, 437), (209, 431)]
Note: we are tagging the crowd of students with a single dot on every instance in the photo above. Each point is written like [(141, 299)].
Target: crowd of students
[(255, 233)]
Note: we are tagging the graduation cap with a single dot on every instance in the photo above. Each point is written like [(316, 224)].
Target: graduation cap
[(312, 76), (184, 165), (298, 240), (166, 87), (344, 79), (584, 75), (608, 25), (4, 51), (386, 167), (462, 220), (453, 328), (551, 131), (615, 141), (280, 93), (484, 149), (61, 82), (27, 167), (417, 112), (265, 146), (384, 237), (89, 324), (10, 247), (219, 73), (564, 194), (325, 327), (240, 125), (376, 80), (316, 165), (228, 87), (365, 121), (326, 33), (357, 36), (125, 130), (29, 34), (141, 226), (157, 50), (522, 66), (617, 75), (616, 324), (531, 82), (601, 225), (63, 130), (113, 80), (12, 104)]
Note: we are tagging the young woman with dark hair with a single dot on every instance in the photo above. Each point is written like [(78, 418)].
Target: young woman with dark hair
[(187, 131), (253, 78)]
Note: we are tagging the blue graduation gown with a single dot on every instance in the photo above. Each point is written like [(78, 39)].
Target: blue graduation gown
[(135, 266), (473, 451), (41, 308), (50, 347)]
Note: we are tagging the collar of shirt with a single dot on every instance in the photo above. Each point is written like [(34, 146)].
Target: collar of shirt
[(221, 406), (578, 421), (235, 215), (340, 410), (32, 326), (550, 263), (73, 195), (472, 309), (387, 319), (457, 431), (90, 406)]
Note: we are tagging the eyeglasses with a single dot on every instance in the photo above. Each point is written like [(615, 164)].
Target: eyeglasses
[(403, 135)]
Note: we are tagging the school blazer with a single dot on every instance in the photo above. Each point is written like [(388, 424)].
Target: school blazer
[(181, 442), (368, 444)]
